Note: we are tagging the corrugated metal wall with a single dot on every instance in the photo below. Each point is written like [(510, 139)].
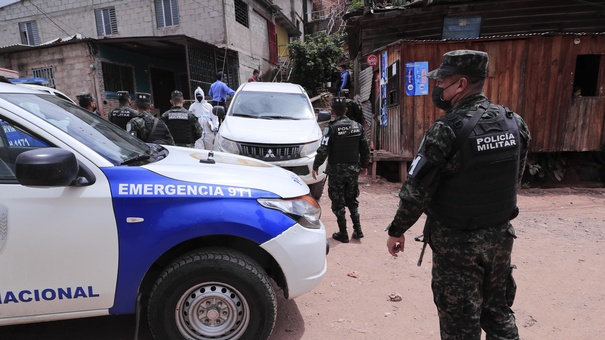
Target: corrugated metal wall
[(532, 75)]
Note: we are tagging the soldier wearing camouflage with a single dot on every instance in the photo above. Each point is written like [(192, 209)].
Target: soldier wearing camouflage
[(182, 123), (145, 126), (465, 178), (123, 114), (347, 151)]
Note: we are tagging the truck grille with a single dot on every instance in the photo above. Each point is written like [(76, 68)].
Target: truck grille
[(270, 153)]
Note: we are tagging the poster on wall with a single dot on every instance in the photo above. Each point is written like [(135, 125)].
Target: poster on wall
[(416, 81), (383, 88)]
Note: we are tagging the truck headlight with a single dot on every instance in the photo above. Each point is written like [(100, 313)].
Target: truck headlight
[(304, 209), (309, 149), (226, 145)]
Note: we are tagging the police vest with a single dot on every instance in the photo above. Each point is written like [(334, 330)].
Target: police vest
[(345, 136), (483, 191), (179, 125), (159, 134), (121, 116)]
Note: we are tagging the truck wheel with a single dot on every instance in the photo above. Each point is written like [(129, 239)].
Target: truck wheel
[(212, 294), (317, 189)]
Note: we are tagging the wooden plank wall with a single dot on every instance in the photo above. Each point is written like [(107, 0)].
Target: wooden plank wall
[(557, 122), (533, 76)]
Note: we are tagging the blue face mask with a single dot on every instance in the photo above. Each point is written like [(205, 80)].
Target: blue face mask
[(437, 97)]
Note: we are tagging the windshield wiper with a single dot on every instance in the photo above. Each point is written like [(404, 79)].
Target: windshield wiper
[(277, 117), (137, 158), (244, 115)]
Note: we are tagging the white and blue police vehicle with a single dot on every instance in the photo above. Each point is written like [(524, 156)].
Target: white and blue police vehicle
[(95, 222)]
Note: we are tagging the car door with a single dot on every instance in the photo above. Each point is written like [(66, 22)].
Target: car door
[(58, 246)]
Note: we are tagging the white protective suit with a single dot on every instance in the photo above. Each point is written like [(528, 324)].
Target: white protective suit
[(209, 122)]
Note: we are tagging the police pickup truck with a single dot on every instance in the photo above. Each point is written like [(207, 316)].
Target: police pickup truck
[(95, 222)]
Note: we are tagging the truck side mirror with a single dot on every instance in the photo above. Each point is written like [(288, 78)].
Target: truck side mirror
[(218, 111), (323, 116)]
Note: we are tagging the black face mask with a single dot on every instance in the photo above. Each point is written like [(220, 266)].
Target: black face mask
[(437, 97), (199, 98)]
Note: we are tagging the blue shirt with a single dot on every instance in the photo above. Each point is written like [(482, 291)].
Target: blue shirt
[(219, 91), (344, 79)]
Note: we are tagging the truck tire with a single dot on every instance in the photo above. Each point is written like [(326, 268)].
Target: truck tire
[(317, 189), (212, 294)]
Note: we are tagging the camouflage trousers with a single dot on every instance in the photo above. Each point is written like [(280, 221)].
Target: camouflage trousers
[(343, 192), (472, 283)]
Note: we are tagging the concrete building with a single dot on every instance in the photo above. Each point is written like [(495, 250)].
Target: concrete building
[(105, 46)]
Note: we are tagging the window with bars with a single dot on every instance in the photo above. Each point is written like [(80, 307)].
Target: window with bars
[(106, 21), (117, 77), (241, 13), (47, 73), (166, 13), (29, 33)]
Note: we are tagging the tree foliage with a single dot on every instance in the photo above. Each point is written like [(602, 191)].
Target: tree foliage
[(314, 61), (356, 4)]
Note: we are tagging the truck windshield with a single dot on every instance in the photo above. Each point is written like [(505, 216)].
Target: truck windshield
[(105, 138), (272, 105)]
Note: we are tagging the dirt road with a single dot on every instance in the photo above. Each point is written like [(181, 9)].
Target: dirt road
[(560, 255)]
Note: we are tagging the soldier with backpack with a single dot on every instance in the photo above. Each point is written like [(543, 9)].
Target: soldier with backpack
[(147, 127)]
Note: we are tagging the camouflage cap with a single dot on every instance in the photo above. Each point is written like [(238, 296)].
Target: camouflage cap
[(464, 62), (176, 94), (339, 104), (142, 97), (123, 95)]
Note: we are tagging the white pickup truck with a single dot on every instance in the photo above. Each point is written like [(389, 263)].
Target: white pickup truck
[(95, 222)]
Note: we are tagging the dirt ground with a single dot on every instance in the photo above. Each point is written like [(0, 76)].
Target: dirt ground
[(559, 253)]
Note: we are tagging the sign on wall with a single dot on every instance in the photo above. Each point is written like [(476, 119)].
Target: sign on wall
[(416, 82), (384, 79), (372, 60)]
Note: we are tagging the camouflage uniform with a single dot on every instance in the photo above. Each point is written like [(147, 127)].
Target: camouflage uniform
[(472, 282), (142, 125), (122, 115), (343, 188)]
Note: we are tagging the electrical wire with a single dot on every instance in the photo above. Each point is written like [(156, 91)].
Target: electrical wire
[(47, 17)]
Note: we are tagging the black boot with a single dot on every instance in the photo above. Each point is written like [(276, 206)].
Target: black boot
[(357, 233), (342, 237), (342, 234)]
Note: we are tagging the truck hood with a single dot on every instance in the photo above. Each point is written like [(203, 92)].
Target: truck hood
[(184, 164), (264, 131)]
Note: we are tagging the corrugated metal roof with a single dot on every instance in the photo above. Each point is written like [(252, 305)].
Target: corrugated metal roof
[(58, 41), (491, 37)]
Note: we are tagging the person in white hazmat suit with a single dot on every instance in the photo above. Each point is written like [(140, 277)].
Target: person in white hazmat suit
[(209, 122)]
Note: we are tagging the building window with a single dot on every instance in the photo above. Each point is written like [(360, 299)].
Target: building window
[(29, 33), (241, 13), (586, 78), (117, 77), (47, 73), (106, 21), (166, 13)]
